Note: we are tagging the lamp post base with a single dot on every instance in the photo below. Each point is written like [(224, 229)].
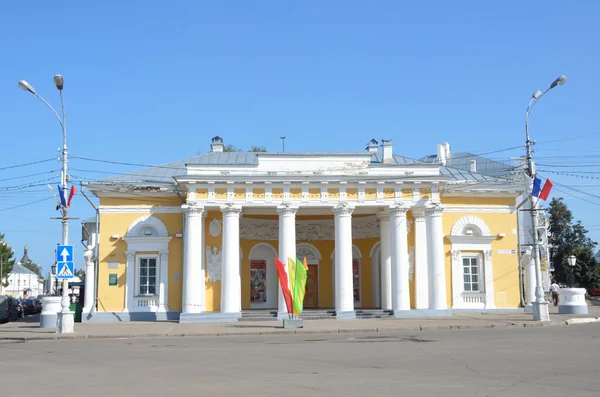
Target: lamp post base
[(540, 311), (66, 322)]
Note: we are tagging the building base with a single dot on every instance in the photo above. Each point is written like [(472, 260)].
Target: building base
[(117, 317), (345, 315), (515, 310), (209, 317), (421, 313), (528, 308)]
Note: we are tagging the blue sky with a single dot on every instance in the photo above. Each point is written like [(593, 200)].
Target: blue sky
[(152, 81)]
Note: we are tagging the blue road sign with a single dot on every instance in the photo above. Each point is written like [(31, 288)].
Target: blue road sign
[(65, 270), (64, 253)]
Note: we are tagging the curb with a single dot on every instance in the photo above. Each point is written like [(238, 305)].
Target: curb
[(302, 331)]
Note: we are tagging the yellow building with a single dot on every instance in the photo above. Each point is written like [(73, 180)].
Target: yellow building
[(195, 240)]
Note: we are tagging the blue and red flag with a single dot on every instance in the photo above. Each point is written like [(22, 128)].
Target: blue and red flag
[(539, 191)]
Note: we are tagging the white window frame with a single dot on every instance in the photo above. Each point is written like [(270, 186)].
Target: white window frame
[(480, 273), (138, 266)]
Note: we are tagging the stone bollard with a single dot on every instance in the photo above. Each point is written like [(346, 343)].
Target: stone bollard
[(572, 301), (50, 308)]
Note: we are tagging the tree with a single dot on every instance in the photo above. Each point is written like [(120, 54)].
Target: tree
[(568, 238), (6, 257), (80, 273), (233, 148), (37, 269)]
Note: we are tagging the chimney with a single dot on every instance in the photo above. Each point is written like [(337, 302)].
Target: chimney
[(217, 145), (473, 165), (372, 146), (441, 154), (388, 155), (446, 146)]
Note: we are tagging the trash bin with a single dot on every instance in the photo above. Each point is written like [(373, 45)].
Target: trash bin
[(78, 309)]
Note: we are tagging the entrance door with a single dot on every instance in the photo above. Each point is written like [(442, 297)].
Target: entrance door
[(311, 298)]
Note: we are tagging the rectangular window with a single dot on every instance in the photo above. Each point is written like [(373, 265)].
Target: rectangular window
[(471, 274), (147, 276)]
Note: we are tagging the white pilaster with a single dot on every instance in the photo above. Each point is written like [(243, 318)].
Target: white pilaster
[(386, 261), (344, 290), (490, 302), (231, 284), (400, 265), (287, 247), (129, 281), (421, 264), (193, 269), (435, 255), (163, 286), (90, 282)]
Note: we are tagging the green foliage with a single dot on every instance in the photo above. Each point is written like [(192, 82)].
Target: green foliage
[(6, 256), (37, 269), (232, 148), (568, 238), (80, 273)]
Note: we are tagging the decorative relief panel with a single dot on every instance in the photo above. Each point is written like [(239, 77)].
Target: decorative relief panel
[(214, 262), (307, 230)]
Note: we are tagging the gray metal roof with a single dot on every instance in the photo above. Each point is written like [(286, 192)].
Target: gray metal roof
[(223, 158), (19, 269), (162, 175), (485, 166), (396, 159)]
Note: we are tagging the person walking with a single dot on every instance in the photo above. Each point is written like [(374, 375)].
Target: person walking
[(554, 287)]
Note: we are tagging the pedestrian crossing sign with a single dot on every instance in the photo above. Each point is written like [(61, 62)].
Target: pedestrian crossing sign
[(65, 270)]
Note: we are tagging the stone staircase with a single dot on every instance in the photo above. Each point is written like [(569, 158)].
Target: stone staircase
[(313, 314)]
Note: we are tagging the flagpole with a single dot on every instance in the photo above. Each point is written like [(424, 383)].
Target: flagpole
[(540, 306)]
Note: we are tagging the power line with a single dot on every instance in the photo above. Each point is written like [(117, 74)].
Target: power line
[(27, 176), (26, 164), (23, 205)]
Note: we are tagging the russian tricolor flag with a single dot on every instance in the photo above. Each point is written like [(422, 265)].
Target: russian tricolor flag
[(539, 191)]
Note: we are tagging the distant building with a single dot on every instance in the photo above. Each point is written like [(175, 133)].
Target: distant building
[(22, 282)]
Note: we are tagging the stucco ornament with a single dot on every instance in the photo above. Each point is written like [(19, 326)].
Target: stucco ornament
[(411, 263), (214, 227), (214, 263)]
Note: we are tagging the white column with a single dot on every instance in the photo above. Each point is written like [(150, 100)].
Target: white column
[(287, 247), (231, 283), (90, 282), (344, 288), (193, 273), (129, 281), (385, 261), (400, 265), (530, 278), (163, 286), (437, 267), (421, 264)]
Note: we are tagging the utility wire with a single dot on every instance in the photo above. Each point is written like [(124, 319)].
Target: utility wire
[(23, 205), (26, 164)]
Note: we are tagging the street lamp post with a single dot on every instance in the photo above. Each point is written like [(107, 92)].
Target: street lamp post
[(540, 306), (66, 318), (572, 260)]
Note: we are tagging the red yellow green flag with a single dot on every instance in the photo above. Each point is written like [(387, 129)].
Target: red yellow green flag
[(291, 273), (299, 287)]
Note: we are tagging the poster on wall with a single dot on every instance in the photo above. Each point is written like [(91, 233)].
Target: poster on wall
[(356, 280), (258, 281)]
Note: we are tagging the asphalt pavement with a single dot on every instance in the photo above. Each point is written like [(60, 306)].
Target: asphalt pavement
[(537, 361)]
